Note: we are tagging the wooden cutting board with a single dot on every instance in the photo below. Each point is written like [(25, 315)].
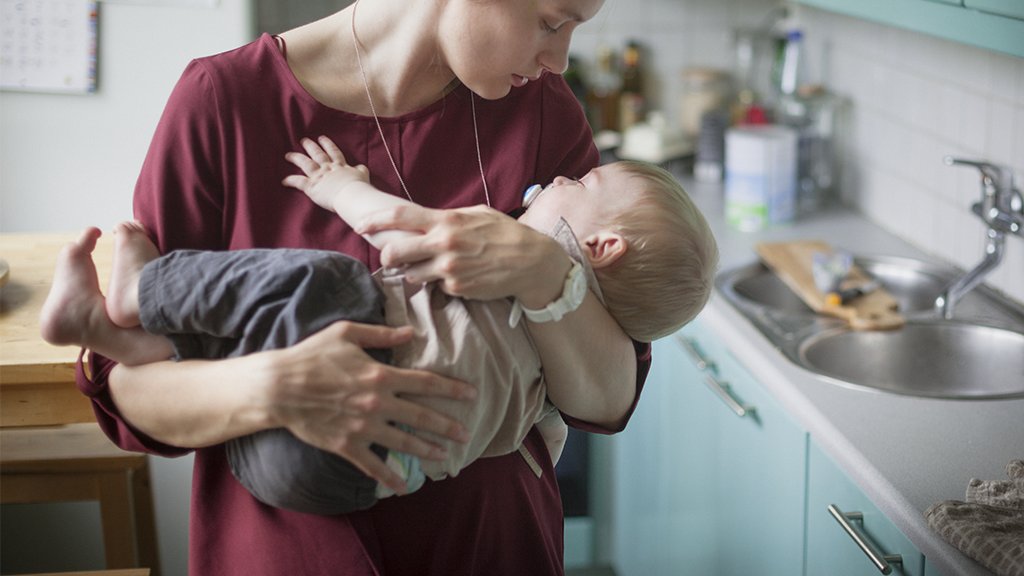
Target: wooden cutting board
[(793, 261)]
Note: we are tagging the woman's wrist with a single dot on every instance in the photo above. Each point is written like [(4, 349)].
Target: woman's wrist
[(266, 377)]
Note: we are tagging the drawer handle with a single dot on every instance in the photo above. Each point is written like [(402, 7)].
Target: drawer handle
[(724, 393), (702, 362), (881, 561)]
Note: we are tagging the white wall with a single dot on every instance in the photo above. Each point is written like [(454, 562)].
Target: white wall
[(79, 156), (915, 100), (67, 162)]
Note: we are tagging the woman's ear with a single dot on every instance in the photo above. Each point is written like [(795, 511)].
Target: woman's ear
[(604, 248)]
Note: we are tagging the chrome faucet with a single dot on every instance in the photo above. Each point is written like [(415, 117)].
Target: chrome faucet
[(1002, 209)]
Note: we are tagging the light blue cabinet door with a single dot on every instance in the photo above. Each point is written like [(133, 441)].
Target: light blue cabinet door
[(700, 490), (663, 465), (760, 468), (831, 551)]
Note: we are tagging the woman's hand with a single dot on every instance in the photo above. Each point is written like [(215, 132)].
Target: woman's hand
[(328, 392), (474, 252)]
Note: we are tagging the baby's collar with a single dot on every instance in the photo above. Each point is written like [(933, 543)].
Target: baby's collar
[(566, 238)]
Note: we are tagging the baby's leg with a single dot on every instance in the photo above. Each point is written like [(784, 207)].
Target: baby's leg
[(132, 250), (74, 312)]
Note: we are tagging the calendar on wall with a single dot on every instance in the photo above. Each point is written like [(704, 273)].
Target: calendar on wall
[(48, 45)]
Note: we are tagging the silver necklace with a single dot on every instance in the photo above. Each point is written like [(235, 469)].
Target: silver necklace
[(373, 111)]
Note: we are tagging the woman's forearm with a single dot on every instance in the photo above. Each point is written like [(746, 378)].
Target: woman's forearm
[(194, 403), (589, 364)]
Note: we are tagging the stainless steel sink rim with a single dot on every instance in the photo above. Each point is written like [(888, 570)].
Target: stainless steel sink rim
[(936, 373), (795, 329)]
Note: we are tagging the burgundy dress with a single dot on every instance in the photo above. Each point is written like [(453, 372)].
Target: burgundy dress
[(211, 180)]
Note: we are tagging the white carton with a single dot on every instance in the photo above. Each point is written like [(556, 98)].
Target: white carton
[(760, 176)]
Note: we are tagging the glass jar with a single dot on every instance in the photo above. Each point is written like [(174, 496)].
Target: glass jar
[(704, 90)]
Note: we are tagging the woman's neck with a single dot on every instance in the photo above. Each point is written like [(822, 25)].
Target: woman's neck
[(400, 57)]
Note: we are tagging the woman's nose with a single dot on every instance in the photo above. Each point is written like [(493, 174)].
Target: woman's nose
[(555, 58)]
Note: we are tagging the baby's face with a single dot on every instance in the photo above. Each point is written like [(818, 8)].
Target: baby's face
[(587, 204)]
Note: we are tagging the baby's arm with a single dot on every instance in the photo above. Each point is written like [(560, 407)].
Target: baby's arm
[(335, 185)]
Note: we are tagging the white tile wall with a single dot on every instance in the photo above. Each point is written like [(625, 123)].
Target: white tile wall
[(914, 99)]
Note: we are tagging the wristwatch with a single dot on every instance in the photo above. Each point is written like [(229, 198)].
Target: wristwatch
[(573, 293)]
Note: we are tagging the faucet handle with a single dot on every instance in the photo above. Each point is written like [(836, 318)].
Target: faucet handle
[(992, 175), (999, 196)]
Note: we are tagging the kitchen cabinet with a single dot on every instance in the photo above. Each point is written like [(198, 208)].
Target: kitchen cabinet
[(710, 473), (991, 24), (1011, 8), (831, 549)]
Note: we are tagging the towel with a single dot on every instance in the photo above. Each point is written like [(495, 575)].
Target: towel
[(989, 526)]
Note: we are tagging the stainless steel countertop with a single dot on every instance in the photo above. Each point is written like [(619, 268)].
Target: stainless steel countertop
[(905, 453)]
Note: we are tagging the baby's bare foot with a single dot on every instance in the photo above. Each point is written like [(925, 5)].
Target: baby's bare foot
[(132, 250), (75, 302)]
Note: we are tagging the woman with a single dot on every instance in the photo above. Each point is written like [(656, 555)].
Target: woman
[(449, 103)]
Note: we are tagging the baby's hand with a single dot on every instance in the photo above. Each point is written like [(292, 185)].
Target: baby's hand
[(325, 172)]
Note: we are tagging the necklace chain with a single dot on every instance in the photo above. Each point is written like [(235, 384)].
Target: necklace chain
[(380, 130)]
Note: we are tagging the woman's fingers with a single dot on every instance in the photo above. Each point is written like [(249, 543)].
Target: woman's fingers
[(371, 465), (407, 217), (399, 440)]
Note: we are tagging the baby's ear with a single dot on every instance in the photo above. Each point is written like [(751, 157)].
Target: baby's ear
[(604, 248)]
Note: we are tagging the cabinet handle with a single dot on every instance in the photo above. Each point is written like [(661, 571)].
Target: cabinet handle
[(724, 393), (702, 362), (881, 561)]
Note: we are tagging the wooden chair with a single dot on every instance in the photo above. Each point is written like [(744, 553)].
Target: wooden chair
[(51, 448)]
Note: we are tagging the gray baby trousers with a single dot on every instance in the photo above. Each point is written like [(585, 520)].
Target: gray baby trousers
[(226, 304)]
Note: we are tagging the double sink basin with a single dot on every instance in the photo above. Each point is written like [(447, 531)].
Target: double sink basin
[(978, 354)]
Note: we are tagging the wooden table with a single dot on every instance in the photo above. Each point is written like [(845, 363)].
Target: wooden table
[(51, 449)]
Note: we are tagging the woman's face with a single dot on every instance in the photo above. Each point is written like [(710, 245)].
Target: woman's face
[(493, 46)]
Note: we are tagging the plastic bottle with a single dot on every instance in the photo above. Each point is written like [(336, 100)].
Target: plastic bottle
[(790, 74)]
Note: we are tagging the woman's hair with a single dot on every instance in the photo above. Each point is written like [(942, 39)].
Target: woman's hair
[(665, 277)]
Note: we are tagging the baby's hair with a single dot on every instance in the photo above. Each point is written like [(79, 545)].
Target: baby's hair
[(666, 275)]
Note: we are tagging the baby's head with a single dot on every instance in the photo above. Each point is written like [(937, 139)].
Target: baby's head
[(651, 249)]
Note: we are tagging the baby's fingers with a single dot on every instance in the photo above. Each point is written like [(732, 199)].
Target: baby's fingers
[(296, 181), (315, 151), (305, 163), (332, 149)]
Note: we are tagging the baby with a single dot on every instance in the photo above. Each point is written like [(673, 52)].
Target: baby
[(635, 238)]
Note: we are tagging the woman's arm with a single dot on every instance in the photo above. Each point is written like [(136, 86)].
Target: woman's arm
[(325, 390), (589, 363), (575, 351)]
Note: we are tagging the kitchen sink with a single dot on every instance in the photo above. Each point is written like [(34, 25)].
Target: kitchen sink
[(977, 354)]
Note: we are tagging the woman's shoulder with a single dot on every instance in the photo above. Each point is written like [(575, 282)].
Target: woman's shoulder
[(257, 61)]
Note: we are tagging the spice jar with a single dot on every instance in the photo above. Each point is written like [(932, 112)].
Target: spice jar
[(704, 90)]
